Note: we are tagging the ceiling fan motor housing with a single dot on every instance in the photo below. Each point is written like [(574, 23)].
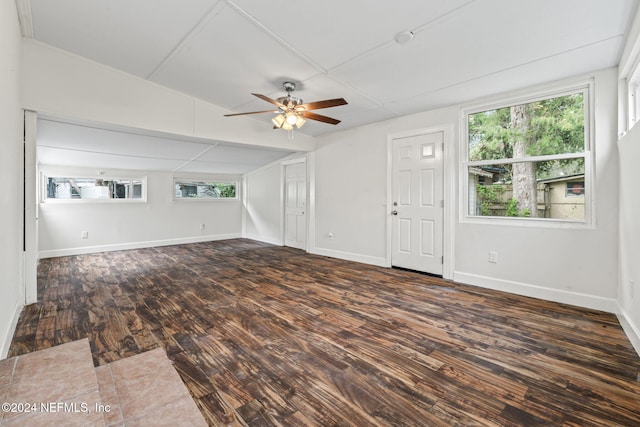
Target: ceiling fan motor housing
[(290, 101)]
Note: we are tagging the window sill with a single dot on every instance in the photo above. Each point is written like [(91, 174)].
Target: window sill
[(527, 222), (90, 201)]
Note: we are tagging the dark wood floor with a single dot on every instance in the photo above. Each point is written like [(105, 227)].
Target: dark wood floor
[(265, 336)]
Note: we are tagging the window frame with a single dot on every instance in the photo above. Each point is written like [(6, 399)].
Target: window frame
[(46, 200), (584, 87), (633, 97), (177, 180)]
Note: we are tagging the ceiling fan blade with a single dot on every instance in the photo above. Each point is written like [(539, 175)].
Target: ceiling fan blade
[(269, 100), (252, 112), (327, 103), (318, 117)]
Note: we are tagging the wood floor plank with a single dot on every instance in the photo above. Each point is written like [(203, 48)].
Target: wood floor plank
[(271, 336)]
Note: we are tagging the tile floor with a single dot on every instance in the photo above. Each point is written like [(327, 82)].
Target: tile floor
[(60, 386), (145, 389)]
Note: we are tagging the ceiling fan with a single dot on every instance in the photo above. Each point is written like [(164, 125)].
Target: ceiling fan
[(292, 112)]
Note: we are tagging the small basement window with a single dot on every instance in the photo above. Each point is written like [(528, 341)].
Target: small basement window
[(94, 189), (205, 190)]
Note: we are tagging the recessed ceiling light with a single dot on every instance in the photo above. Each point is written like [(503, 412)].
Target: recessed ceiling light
[(403, 37)]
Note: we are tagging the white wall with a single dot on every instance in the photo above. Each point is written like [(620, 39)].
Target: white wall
[(629, 288), (11, 261), (64, 85), (264, 200), (572, 265), (115, 226), (264, 204), (575, 266), (629, 206), (350, 195)]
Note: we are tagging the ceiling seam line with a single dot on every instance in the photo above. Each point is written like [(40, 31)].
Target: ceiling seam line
[(360, 93), (440, 18), (275, 37), (208, 16), (391, 42), (381, 104), (194, 158)]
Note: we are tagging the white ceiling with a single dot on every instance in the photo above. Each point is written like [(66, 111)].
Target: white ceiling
[(222, 51), (71, 144)]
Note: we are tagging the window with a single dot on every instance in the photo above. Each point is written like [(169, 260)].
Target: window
[(633, 105), (633, 97), (185, 189), (529, 159), (575, 188), (95, 189)]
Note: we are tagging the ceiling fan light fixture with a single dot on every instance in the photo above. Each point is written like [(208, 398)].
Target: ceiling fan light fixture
[(287, 121), (286, 126), (292, 119), (278, 120), (292, 113)]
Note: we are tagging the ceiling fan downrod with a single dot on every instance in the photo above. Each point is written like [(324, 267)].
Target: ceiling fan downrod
[(289, 101)]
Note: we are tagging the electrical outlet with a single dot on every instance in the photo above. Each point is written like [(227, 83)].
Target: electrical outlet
[(330, 236), (84, 235), (493, 256), (202, 227)]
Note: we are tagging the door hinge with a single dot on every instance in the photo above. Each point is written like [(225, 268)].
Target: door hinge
[(442, 260), (442, 203)]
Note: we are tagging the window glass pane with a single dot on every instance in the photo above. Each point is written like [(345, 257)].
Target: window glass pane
[(575, 189), (205, 190), (428, 151), (547, 127), (93, 188), (634, 105), (551, 189)]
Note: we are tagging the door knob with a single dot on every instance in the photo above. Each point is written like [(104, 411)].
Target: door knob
[(394, 212)]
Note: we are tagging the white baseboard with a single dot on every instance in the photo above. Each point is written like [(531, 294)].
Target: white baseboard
[(135, 245), (365, 259), (593, 302), (632, 330), (264, 239), (6, 343)]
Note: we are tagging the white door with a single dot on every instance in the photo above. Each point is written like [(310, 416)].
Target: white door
[(417, 202), (295, 227)]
